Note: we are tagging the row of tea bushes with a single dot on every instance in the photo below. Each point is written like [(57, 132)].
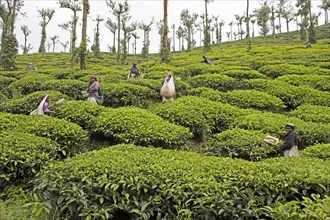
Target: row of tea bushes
[(321, 151), (320, 82), (200, 115), (130, 182), (292, 96), (239, 143), (22, 155), (242, 98), (312, 113), (310, 133), (124, 94), (139, 126), (205, 117), (274, 71), (30, 102), (125, 124), (316, 207), (68, 135)]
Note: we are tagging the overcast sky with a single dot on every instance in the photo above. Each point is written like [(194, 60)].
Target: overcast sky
[(140, 10)]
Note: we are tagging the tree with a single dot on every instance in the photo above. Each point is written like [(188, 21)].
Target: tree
[(65, 45), (248, 26), (221, 24), (135, 36), (112, 26), (54, 40), (165, 50), (146, 27), (26, 33), (253, 21), (287, 14), (228, 35), (231, 30), (325, 6), (304, 10), (180, 35), (262, 15), (207, 28), (173, 28), (83, 43), (8, 52), (127, 29), (74, 6), (216, 28), (118, 10), (9, 44), (272, 21), (188, 20), (96, 45), (46, 15), (279, 11)]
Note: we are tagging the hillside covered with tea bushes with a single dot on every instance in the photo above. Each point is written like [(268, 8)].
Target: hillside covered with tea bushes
[(201, 156)]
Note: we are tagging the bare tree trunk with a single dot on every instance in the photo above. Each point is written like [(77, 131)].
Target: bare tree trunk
[(84, 36), (287, 29), (74, 38), (12, 25), (118, 39), (248, 26), (165, 38)]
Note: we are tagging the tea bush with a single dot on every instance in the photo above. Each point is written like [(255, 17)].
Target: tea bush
[(215, 81), (30, 102), (321, 151), (69, 135), (239, 143), (244, 74), (22, 156), (292, 96), (132, 182), (208, 93), (28, 84), (139, 126), (126, 94), (320, 82), (315, 207), (5, 82), (312, 113), (201, 115), (288, 69), (253, 99), (71, 88), (79, 112)]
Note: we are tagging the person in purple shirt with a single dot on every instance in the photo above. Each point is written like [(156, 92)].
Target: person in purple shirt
[(46, 109)]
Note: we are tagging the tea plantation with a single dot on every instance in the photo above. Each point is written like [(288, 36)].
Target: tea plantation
[(199, 157)]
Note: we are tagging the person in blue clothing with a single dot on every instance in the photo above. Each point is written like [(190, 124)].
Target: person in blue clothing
[(134, 71)]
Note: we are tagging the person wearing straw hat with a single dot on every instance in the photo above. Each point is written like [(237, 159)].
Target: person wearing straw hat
[(134, 73), (291, 142)]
